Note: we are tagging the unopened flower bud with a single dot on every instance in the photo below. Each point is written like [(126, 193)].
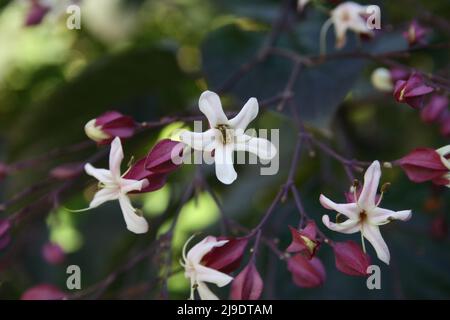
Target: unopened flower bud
[(434, 109), (416, 34), (306, 273), (109, 125), (350, 259), (412, 91), (382, 80)]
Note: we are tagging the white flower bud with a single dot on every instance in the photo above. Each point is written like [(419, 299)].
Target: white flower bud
[(95, 132), (382, 80)]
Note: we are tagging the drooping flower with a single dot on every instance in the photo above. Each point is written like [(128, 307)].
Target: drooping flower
[(306, 273), (109, 125), (412, 91), (426, 164), (226, 258), (53, 253), (416, 34), (248, 284), (198, 273), (226, 136), (365, 215), (43, 292), (350, 258), (305, 240), (114, 186), (346, 16)]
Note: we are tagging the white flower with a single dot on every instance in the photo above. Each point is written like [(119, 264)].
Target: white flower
[(346, 16), (444, 152), (198, 273), (226, 136), (114, 187), (365, 215)]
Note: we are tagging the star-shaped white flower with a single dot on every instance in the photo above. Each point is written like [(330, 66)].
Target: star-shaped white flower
[(226, 136), (365, 215), (198, 273), (114, 187)]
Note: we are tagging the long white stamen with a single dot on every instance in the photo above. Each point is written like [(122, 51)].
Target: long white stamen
[(185, 246), (323, 36)]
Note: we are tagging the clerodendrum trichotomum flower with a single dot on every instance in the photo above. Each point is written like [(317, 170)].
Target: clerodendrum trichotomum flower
[(109, 125), (364, 215), (115, 187), (346, 16), (412, 90), (198, 273), (226, 136)]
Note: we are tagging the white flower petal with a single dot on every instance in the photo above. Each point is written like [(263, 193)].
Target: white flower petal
[(246, 115), (348, 16), (115, 157), (348, 226), (373, 235), (369, 191), (340, 31), (198, 140), (196, 253), (101, 175), (135, 223), (128, 185), (350, 210), (379, 216), (223, 159), (263, 148), (209, 103), (104, 195), (205, 293), (205, 274)]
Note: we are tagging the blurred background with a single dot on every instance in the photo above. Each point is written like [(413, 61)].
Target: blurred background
[(151, 59)]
